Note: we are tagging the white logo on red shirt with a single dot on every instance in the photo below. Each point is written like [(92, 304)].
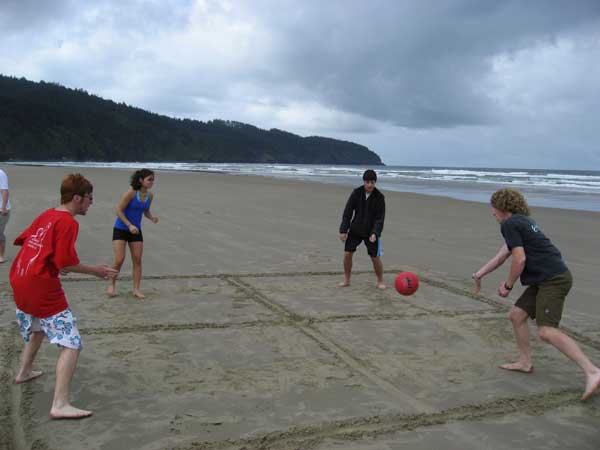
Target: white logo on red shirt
[(35, 243)]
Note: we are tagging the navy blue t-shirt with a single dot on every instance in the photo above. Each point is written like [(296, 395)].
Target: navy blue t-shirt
[(543, 259)]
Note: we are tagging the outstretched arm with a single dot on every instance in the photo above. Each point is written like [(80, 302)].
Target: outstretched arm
[(490, 266), (100, 270)]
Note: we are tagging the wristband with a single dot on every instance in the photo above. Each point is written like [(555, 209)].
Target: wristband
[(507, 288)]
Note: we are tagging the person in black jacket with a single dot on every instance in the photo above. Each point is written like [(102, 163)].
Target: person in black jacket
[(362, 221)]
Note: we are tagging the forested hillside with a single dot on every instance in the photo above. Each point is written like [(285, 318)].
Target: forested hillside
[(45, 122)]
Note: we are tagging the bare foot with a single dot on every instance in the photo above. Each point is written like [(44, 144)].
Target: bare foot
[(138, 294), (592, 383), (381, 286), (32, 375), (518, 367), (111, 291), (69, 412), (344, 283)]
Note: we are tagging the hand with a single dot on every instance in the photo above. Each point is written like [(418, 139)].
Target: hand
[(502, 291), (154, 219), (4, 211), (373, 238), (63, 271), (104, 271), (343, 237), (133, 229), (477, 284)]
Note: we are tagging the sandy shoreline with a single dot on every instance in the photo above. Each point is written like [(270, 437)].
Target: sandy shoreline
[(213, 223), (261, 367)]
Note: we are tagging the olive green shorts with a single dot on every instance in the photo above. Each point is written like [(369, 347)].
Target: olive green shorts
[(544, 302)]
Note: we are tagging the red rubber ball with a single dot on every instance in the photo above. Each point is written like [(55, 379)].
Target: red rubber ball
[(406, 283)]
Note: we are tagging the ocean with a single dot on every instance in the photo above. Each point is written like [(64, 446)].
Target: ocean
[(567, 189)]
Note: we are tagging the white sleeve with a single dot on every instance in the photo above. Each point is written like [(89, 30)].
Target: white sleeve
[(3, 180)]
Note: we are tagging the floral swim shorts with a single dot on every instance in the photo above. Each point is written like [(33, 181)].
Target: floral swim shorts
[(60, 328)]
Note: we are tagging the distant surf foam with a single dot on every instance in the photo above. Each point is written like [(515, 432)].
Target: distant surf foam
[(552, 188)]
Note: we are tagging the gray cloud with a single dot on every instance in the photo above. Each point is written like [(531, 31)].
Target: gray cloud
[(17, 16), (413, 65), (421, 82)]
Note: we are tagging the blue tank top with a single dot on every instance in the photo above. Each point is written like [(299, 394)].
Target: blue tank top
[(134, 210)]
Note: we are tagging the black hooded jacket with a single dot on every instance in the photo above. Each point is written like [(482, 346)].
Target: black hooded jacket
[(364, 217)]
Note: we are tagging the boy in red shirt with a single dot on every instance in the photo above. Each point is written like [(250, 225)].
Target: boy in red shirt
[(48, 249)]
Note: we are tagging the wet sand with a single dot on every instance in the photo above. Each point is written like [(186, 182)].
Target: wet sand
[(245, 342)]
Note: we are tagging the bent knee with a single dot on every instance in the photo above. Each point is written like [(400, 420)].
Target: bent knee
[(517, 315), (546, 332)]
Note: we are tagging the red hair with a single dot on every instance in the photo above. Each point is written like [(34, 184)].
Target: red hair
[(74, 184)]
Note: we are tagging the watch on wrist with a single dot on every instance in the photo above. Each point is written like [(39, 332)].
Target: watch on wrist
[(507, 287)]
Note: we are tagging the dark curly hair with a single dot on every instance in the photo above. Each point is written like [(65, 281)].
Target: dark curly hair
[(510, 200), (139, 175)]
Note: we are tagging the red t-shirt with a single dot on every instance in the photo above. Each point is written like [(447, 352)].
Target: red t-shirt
[(47, 246)]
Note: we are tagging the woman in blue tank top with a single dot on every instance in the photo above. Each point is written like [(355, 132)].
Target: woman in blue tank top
[(128, 227)]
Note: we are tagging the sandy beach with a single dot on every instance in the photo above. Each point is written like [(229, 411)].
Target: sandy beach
[(244, 341)]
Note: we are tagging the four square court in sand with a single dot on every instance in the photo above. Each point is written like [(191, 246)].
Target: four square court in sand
[(288, 360)]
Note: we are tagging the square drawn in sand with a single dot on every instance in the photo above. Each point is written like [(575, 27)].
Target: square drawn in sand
[(318, 296), (168, 301), (448, 362), (163, 389)]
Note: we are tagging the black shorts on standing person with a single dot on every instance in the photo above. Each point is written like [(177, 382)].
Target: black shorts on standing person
[(127, 236), (353, 241)]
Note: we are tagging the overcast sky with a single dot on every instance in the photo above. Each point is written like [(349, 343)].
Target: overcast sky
[(441, 82)]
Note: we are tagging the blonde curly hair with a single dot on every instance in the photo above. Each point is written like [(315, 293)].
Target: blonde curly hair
[(510, 200)]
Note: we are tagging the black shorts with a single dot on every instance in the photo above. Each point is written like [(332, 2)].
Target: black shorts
[(127, 236), (373, 248)]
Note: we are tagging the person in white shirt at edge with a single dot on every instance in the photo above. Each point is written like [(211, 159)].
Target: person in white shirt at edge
[(4, 212)]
